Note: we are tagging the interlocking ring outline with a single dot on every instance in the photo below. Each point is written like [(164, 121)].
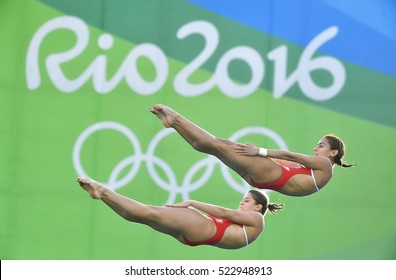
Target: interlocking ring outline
[(187, 185), (113, 184)]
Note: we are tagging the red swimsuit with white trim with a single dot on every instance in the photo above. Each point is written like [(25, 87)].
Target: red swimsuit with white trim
[(287, 173), (221, 226)]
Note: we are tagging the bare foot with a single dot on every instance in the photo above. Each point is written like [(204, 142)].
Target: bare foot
[(92, 187), (165, 114)]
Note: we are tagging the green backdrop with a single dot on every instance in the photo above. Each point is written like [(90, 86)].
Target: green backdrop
[(77, 79)]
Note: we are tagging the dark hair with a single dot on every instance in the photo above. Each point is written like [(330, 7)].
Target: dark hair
[(337, 144), (263, 199)]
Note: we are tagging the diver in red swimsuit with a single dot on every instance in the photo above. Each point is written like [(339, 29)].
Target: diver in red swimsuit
[(192, 222), (260, 168)]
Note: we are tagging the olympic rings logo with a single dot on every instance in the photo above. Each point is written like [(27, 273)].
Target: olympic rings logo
[(152, 161)]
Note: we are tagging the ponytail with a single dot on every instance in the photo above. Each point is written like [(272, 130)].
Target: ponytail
[(263, 199), (347, 165), (274, 207), (341, 163)]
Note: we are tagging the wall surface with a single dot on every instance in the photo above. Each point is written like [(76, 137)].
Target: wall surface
[(77, 79)]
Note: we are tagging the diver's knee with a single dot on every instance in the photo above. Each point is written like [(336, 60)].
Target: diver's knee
[(204, 145)]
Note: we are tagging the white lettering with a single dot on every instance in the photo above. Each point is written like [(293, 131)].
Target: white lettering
[(256, 64), (128, 70), (211, 36), (97, 69), (220, 77), (32, 60), (306, 65)]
